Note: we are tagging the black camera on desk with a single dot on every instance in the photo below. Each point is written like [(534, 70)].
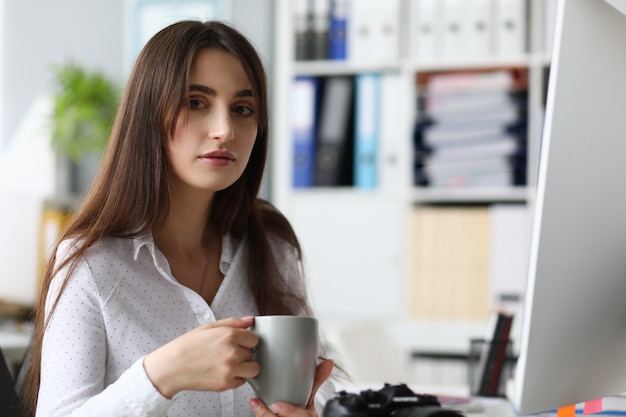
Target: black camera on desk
[(391, 400)]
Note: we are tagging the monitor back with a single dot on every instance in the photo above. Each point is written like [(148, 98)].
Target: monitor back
[(573, 343)]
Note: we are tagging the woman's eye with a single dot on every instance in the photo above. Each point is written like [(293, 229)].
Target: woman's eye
[(195, 103), (244, 110)]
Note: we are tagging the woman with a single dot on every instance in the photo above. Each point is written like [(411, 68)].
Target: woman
[(146, 304)]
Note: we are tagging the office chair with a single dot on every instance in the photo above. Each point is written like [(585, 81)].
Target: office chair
[(9, 400)]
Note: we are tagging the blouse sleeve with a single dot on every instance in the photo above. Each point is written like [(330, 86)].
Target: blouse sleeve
[(73, 361)]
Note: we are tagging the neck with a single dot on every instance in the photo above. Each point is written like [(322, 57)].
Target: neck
[(186, 229)]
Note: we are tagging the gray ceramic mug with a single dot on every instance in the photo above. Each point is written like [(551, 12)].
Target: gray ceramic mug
[(287, 355)]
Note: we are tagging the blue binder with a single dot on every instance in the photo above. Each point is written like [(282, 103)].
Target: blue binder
[(338, 29), (366, 130), (303, 130)]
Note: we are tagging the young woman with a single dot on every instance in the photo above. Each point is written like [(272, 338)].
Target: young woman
[(146, 304)]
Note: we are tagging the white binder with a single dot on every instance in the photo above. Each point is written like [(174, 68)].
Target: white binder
[(456, 29), (426, 35), (395, 151), (360, 32), (374, 31), (510, 17), (385, 18), (480, 38)]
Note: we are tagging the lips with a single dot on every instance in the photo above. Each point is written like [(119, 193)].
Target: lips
[(223, 155)]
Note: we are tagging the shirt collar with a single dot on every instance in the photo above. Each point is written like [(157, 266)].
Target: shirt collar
[(230, 245), (141, 241)]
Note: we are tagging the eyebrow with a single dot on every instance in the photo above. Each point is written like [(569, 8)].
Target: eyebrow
[(208, 90)]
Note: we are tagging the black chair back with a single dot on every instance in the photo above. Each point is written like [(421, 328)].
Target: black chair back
[(9, 400)]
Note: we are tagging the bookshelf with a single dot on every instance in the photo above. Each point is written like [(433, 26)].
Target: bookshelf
[(358, 242)]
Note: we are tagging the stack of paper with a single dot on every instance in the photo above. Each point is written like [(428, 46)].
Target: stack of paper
[(472, 130)]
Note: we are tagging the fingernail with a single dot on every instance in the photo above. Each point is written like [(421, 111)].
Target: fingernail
[(254, 403), (277, 408)]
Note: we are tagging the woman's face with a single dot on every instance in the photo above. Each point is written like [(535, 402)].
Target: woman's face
[(217, 126)]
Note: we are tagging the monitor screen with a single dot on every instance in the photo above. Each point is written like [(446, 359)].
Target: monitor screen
[(573, 341)]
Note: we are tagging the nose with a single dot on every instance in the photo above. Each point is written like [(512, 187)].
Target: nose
[(220, 124)]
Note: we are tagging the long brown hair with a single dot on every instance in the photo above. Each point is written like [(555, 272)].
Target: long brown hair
[(130, 195)]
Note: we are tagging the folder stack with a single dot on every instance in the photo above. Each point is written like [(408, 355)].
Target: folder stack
[(471, 131)]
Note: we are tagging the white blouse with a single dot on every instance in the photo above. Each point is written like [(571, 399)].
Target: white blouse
[(121, 303)]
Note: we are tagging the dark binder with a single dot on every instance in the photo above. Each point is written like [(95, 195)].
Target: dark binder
[(303, 29), (494, 355), (334, 158), (320, 23)]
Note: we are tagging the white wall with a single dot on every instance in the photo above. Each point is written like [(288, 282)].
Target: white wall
[(40, 33)]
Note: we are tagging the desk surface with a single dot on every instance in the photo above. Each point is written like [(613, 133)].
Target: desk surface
[(494, 407)]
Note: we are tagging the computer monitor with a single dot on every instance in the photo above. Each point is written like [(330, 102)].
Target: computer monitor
[(573, 339)]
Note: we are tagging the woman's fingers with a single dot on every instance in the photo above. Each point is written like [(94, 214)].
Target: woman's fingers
[(322, 373), (215, 356), (236, 322)]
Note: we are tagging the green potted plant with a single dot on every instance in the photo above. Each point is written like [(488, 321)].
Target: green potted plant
[(84, 106)]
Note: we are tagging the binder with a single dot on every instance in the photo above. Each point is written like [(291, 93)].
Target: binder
[(385, 22), (510, 28), (427, 34), (455, 29), (396, 99), (303, 130), (302, 29), (320, 28), (334, 157), (493, 356), (480, 28), (360, 31), (366, 139), (338, 29)]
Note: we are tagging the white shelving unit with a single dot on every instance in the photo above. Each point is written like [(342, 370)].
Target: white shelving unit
[(356, 241)]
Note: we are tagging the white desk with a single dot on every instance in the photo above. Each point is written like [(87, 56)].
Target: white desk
[(493, 407)]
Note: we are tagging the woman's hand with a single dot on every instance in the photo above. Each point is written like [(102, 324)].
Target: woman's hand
[(323, 371), (213, 357)]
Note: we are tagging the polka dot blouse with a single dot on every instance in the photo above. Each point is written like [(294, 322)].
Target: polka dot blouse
[(121, 303)]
